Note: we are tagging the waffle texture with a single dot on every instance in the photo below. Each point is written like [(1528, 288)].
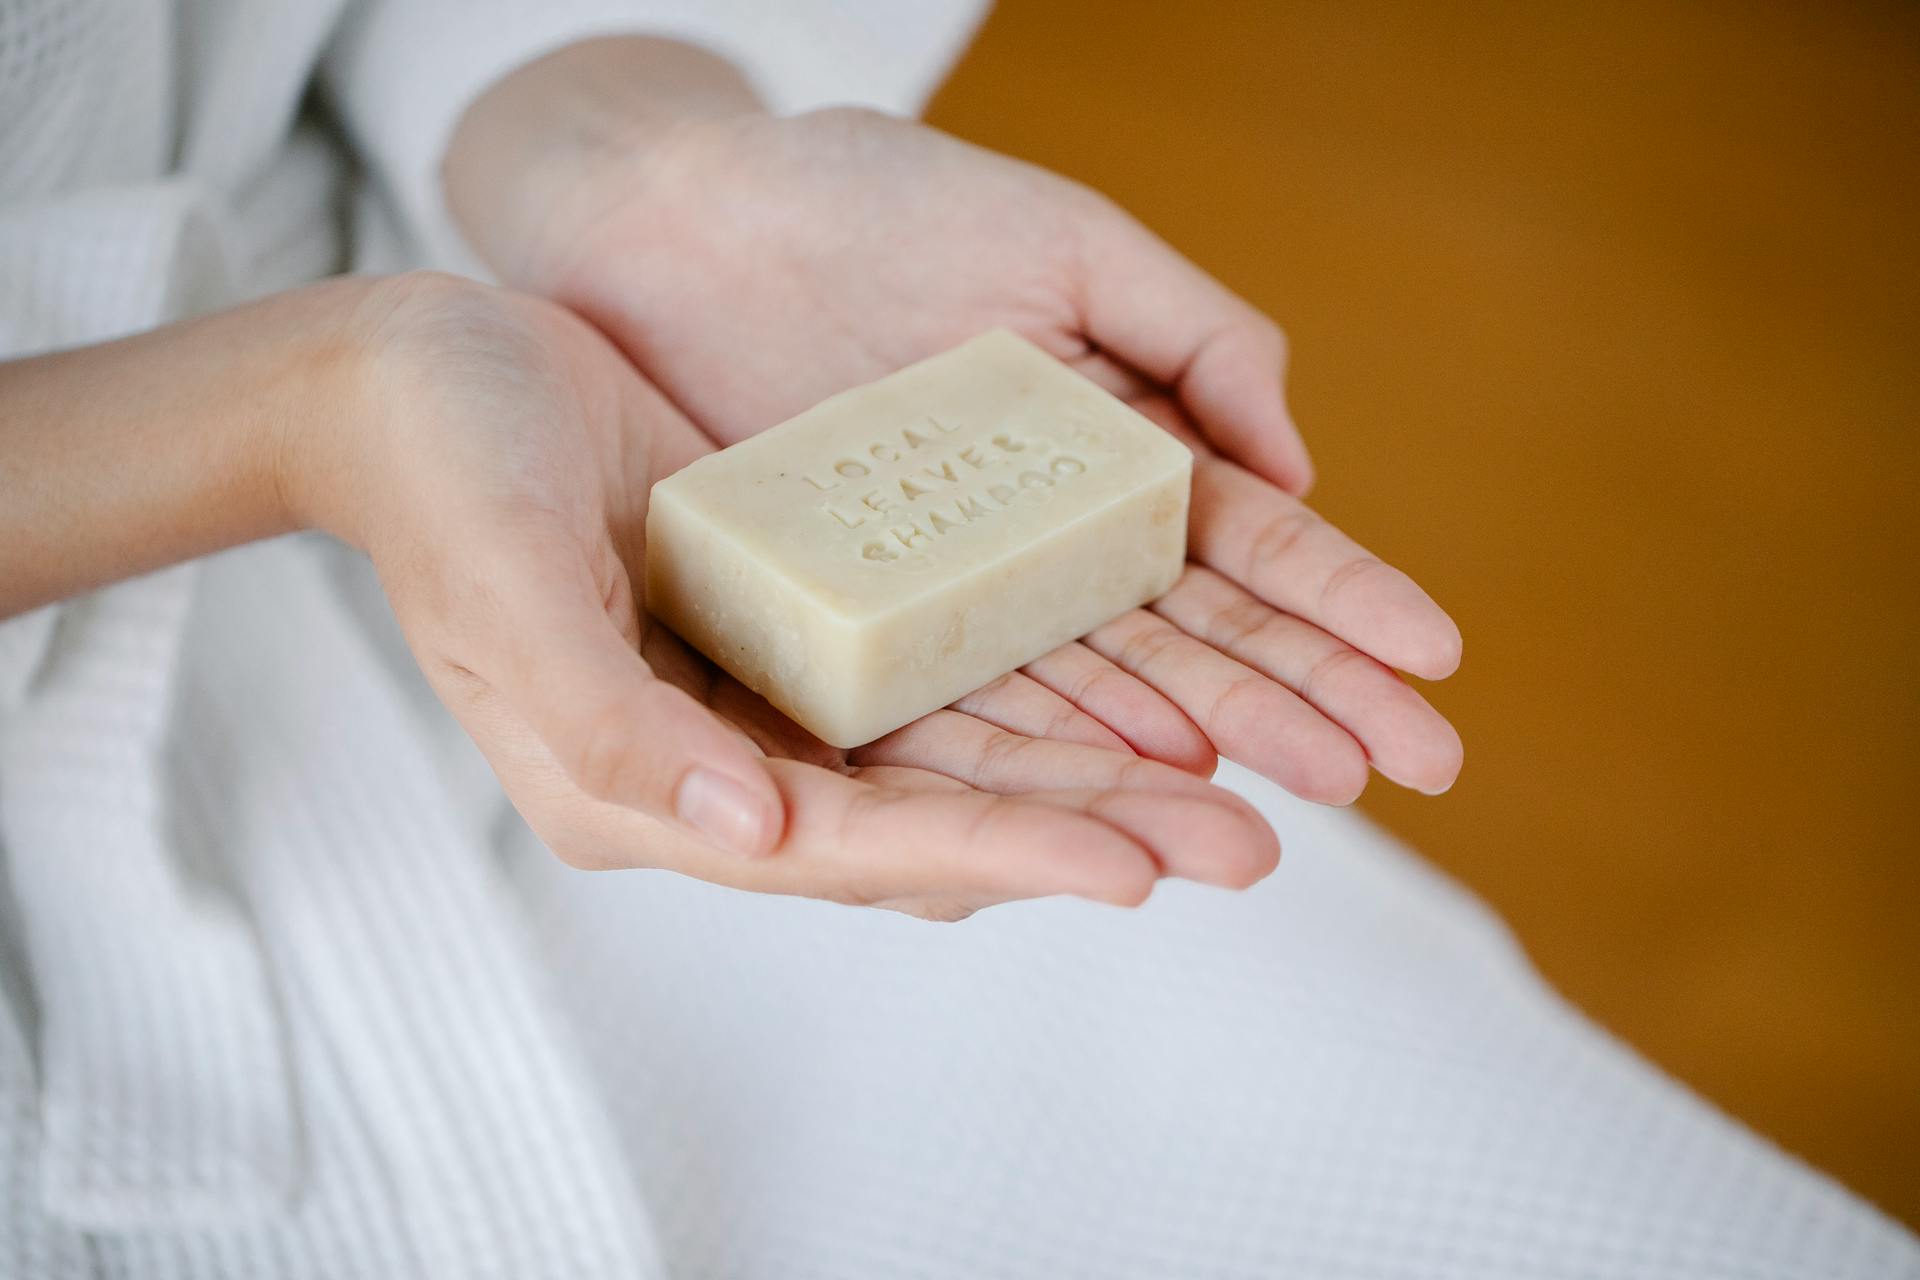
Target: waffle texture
[(286, 991)]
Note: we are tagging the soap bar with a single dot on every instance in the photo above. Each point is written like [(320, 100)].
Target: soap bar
[(905, 542)]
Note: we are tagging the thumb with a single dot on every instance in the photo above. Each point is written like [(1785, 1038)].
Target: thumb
[(563, 657), (1147, 305)]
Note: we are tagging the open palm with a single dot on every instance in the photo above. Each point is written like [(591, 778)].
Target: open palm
[(505, 517), (752, 266)]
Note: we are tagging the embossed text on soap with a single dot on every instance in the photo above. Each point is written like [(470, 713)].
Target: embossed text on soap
[(910, 489)]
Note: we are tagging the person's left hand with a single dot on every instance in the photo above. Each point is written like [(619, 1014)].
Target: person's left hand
[(494, 456), (752, 266)]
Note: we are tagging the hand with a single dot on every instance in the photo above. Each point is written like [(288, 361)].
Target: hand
[(1282, 636), (497, 473), (752, 266)]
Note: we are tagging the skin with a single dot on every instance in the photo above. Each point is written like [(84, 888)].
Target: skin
[(492, 453), (752, 265)]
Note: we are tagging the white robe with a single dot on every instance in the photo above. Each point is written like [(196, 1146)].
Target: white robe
[(290, 992)]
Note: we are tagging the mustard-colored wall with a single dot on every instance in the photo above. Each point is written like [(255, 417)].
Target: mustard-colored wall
[(1606, 327)]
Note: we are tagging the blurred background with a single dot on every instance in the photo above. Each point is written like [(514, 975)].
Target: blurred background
[(1606, 326)]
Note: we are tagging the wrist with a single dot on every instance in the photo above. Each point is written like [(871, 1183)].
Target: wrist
[(322, 458), (542, 155), (166, 445)]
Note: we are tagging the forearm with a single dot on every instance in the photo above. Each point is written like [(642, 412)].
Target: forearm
[(122, 458), (526, 149)]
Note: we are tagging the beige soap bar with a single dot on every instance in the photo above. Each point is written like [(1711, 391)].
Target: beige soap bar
[(906, 542)]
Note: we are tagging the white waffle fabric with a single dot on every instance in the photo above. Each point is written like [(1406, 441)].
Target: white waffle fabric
[(287, 991)]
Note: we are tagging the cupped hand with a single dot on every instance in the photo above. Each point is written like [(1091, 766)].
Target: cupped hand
[(753, 265), (1282, 638), (758, 264), (498, 477), (1277, 647)]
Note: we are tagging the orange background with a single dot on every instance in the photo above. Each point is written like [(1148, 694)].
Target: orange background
[(1605, 327)]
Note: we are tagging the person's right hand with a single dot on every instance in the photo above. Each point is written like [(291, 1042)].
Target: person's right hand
[(497, 472), (752, 265)]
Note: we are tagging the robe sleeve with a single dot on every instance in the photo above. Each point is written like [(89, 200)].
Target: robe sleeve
[(399, 74)]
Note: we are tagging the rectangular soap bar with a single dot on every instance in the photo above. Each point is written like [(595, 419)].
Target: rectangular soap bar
[(905, 542)]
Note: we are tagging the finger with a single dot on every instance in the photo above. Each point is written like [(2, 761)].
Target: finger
[(1403, 621), (1168, 414), (770, 729), (1218, 840), (1150, 307), (907, 778), (1405, 738), (1020, 704), (990, 758), (1283, 552), (891, 836), (671, 659), (1195, 830), (1116, 379), (555, 641), (880, 844), (1244, 713), (673, 440), (945, 903), (1139, 713)]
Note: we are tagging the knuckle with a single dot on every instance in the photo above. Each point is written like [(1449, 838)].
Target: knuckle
[(1280, 534), (1060, 724), (1343, 578), (601, 756), (1146, 645), (1096, 674), (1232, 626), (1232, 701), (999, 751), (1314, 682)]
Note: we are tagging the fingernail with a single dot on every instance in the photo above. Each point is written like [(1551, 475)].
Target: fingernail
[(720, 809)]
